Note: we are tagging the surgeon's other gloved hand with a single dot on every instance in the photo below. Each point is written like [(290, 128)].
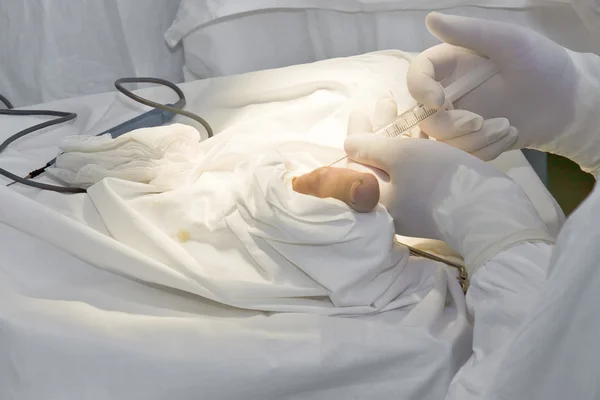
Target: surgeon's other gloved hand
[(435, 191), (549, 94)]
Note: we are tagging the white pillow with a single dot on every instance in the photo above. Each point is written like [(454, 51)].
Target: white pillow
[(223, 37)]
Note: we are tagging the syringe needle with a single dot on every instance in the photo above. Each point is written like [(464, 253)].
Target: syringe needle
[(337, 161)]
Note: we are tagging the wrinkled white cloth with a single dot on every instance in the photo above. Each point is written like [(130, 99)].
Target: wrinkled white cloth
[(222, 213), (224, 37), (160, 156), (237, 227), (87, 316)]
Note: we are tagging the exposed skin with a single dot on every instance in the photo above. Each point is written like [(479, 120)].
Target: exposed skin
[(358, 190)]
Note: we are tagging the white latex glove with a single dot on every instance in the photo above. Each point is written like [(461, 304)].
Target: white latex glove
[(435, 191), (549, 94)]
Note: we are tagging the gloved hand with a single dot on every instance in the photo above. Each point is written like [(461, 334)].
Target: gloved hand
[(549, 94), (435, 191)]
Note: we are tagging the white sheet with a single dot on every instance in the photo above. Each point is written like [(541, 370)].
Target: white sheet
[(126, 326), (589, 12), (226, 37), (55, 49)]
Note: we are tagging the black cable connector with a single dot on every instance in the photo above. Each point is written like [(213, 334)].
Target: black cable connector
[(36, 173)]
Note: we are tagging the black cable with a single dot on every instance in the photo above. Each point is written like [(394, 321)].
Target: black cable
[(67, 116), (180, 111), (7, 103), (62, 117)]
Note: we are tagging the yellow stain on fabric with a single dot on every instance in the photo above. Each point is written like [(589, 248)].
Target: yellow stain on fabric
[(183, 235)]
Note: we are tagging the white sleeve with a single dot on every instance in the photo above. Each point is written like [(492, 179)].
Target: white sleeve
[(537, 320), (554, 354), (501, 294)]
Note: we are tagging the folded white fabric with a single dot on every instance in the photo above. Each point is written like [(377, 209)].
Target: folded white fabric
[(351, 255), (161, 156), (242, 233), (221, 217)]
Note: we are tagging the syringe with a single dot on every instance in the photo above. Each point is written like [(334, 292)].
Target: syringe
[(419, 113)]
